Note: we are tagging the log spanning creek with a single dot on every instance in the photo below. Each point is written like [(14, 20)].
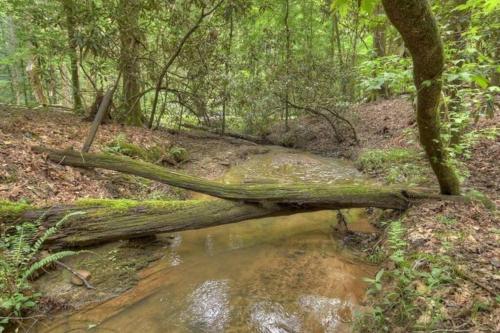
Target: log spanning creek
[(275, 274)]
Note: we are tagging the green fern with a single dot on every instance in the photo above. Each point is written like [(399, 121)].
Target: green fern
[(18, 250), (46, 261), (51, 231)]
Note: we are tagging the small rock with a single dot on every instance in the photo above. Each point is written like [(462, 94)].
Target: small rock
[(77, 281)]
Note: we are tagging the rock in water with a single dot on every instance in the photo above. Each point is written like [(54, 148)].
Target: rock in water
[(77, 281)]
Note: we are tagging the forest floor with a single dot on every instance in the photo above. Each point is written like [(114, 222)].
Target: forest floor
[(440, 259)]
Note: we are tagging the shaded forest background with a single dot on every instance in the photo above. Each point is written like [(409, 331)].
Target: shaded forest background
[(242, 65)]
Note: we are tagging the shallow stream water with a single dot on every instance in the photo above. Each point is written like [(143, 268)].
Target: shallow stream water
[(270, 275)]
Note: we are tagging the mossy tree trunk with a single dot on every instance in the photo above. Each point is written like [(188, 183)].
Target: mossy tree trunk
[(128, 26), (69, 8), (303, 195), (416, 24), (110, 220)]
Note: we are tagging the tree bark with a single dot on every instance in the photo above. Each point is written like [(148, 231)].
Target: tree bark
[(34, 74), (101, 113), (298, 195), (110, 220), (128, 25), (288, 54), (69, 8), (416, 24)]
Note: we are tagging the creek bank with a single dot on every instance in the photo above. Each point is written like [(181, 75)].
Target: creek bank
[(429, 228)]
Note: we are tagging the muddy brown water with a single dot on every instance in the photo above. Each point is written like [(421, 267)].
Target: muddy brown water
[(270, 275)]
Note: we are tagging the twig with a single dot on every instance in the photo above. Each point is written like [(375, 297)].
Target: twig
[(85, 282)]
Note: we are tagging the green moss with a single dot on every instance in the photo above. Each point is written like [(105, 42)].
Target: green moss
[(121, 145), (395, 165), (179, 154), (378, 158), (481, 197), (126, 204), (9, 209)]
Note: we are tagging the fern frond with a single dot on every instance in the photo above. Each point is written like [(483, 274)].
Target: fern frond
[(51, 231), (46, 261)]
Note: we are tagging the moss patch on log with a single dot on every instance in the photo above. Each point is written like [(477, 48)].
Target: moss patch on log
[(12, 210)]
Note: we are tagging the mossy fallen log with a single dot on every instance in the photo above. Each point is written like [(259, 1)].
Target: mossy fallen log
[(296, 195), (110, 220), (106, 220)]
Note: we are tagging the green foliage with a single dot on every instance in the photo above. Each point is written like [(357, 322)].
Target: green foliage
[(396, 165), (179, 154), (20, 259), (481, 197), (155, 154), (121, 145), (11, 210), (391, 75), (396, 290)]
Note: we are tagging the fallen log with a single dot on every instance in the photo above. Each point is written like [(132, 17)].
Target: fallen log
[(110, 220), (296, 195), (246, 137)]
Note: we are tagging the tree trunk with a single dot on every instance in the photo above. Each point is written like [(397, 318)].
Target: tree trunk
[(247, 137), (288, 56), (69, 8), (227, 69), (111, 220), (128, 26), (379, 44), (416, 23), (34, 74), (303, 195), (100, 115), (11, 48)]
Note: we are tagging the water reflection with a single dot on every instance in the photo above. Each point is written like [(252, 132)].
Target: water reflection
[(330, 312), (269, 317), (208, 309)]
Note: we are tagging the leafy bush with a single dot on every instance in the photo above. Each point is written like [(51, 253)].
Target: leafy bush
[(20, 258), (391, 72)]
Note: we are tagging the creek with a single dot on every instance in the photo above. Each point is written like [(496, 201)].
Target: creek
[(270, 275)]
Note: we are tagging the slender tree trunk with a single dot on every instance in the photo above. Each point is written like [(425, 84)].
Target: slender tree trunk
[(287, 61), (33, 70), (24, 85), (69, 8), (227, 66), (204, 13), (11, 46), (305, 195), (379, 44), (416, 23), (128, 26)]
